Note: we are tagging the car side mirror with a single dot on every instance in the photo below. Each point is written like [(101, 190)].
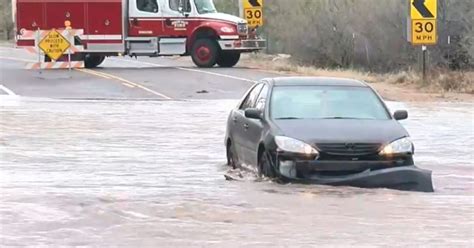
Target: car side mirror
[(400, 115), (253, 113)]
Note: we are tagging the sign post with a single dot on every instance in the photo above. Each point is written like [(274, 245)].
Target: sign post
[(424, 48), (422, 26), (69, 60), (70, 37), (38, 37), (252, 11)]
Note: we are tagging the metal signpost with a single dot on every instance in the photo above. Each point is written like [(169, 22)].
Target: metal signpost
[(422, 29), (252, 11)]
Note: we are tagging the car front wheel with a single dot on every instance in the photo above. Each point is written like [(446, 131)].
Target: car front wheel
[(266, 166)]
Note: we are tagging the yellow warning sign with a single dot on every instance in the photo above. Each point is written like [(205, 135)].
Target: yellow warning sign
[(423, 32), (54, 45), (253, 12), (423, 9), (248, 4)]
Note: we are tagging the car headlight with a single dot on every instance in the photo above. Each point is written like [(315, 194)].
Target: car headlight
[(227, 30), (403, 145), (293, 145)]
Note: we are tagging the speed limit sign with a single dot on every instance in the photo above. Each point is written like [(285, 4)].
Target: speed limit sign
[(253, 12), (423, 32), (254, 17)]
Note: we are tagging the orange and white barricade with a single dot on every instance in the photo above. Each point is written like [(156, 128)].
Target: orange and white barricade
[(55, 65), (39, 35)]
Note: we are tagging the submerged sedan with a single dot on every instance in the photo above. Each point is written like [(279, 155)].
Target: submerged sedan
[(323, 130)]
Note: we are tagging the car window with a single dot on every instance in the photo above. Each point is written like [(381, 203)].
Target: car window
[(147, 6), (174, 5), (262, 98), (326, 102), (251, 98)]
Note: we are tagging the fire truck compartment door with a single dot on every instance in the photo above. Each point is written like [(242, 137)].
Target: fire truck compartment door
[(172, 46), (145, 18), (142, 45)]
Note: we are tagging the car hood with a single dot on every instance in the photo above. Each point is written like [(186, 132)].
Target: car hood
[(224, 17), (335, 131)]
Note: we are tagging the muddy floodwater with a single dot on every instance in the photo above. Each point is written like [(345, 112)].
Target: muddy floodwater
[(150, 174)]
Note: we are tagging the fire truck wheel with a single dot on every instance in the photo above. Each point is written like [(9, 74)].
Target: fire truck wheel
[(92, 61), (205, 53), (228, 59)]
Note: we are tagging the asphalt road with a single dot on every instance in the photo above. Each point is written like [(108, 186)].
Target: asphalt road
[(125, 78)]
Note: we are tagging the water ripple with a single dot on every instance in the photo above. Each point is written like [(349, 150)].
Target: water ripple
[(150, 174)]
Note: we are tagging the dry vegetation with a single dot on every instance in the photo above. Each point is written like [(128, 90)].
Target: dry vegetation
[(366, 40), (403, 85), (365, 34)]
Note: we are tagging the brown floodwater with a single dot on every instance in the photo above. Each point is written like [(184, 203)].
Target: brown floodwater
[(150, 174)]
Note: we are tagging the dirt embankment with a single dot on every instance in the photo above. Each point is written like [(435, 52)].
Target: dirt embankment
[(402, 86)]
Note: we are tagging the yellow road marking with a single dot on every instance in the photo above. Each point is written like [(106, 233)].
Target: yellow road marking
[(103, 75), (128, 85), (123, 80), (92, 73)]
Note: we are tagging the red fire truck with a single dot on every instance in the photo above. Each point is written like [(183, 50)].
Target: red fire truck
[(142, 28)]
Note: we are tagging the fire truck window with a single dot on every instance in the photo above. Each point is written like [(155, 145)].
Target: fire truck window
[(174, 5), (147, 6)]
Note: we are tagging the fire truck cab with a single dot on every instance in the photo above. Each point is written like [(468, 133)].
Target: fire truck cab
[(142, 28)]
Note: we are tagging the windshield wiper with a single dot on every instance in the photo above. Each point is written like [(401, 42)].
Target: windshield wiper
[(288, 118)]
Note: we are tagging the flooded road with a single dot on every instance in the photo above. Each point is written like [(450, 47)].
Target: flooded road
[(150, 174)]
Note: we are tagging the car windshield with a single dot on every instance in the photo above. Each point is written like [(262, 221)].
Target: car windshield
[(326, 102), (205, 6)]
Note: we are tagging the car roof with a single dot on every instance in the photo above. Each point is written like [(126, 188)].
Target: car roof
[(315, 81)]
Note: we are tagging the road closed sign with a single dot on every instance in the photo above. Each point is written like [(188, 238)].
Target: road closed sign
[(423, 32), (253, 12), (54, 44)]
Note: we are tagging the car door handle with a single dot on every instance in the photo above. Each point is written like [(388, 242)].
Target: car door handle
[(246, 126)]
